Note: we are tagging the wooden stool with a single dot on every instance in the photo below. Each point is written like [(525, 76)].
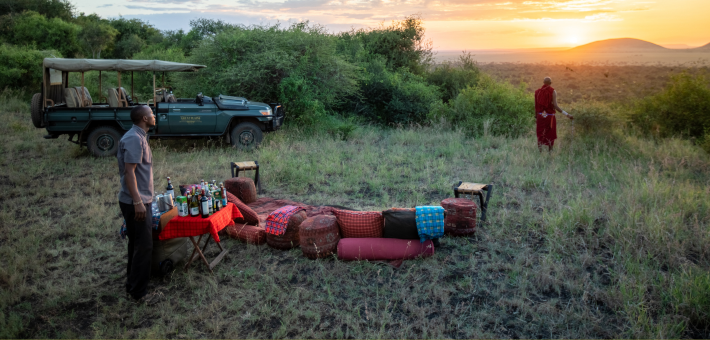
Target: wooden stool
[(245, 166), (476, 189)]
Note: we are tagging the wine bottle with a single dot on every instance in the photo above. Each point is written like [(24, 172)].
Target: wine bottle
[(209, 200), (204, 203), (194, 206), (169, 189)]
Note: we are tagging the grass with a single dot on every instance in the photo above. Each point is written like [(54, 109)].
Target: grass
[(604, 237)]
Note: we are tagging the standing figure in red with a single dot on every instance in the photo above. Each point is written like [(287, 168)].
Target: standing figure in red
[(545, 106)]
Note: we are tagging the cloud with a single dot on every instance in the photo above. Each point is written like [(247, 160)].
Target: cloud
[(158, 9), (104, 6)]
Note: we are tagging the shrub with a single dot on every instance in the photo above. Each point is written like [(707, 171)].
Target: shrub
[(296, 65), (681, 108), (401, 44), (452, 78), (22, 66), (596, 118), (32, 28), (502, 108), (393, 97)]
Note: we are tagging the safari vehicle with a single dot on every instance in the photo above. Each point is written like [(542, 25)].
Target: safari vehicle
[(65, 110)]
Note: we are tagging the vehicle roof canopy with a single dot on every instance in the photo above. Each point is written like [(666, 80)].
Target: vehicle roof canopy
[(82, 65)]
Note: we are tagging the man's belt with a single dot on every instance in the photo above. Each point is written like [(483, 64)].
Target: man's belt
[(549, 114)]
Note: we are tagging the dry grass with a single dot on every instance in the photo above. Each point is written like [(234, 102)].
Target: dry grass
[(605, 237), (604, 83)]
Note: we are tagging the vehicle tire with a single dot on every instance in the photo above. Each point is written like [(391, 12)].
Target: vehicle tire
[(103, 141), (36, 110), (166, 267), (246, 136)]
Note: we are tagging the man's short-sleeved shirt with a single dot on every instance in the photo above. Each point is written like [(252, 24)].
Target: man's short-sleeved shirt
[(134, 148)]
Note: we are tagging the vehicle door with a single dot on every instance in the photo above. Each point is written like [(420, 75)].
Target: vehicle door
[(190, 118)]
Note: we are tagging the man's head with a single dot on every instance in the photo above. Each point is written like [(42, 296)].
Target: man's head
[(547, 81), (142, 116)]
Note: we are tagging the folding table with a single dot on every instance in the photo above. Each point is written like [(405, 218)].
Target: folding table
[(186, 226)]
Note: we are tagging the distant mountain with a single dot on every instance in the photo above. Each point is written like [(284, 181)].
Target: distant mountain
[(619, 45), (702, 48)]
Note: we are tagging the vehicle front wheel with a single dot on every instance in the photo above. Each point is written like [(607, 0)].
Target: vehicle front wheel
[(103, 141), (246, 136)]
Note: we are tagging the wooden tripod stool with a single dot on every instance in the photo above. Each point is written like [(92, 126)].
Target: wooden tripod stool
[(246, 166), (476, 189)]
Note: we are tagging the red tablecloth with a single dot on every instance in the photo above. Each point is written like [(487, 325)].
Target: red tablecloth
[(195, 226)]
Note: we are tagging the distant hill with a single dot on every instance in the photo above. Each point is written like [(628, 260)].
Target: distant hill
[(619, 45), (702, 48)]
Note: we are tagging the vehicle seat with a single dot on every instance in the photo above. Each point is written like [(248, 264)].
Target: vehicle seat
[(128, 98), (113, 98), (169, 98), (73, 98)]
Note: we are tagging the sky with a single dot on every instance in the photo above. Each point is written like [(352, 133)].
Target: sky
[(450, 24)]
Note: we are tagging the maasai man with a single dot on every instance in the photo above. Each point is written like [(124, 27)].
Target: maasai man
[(545, 106)]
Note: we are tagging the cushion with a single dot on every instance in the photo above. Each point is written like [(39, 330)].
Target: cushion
[(249, 214), (359, 224), (400, 223), (87, 96), (383, 249), (112, 98)]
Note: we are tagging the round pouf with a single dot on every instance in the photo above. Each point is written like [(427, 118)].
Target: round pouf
[(242, 187), (460, 217), (319, 236), (247, 233), (290, 239)]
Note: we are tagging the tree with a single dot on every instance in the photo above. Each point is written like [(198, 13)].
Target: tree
[(128, 46), (96, 36), (32, 28), (62, 9)]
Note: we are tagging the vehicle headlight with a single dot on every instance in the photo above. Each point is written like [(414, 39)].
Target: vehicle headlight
[(265, 112)]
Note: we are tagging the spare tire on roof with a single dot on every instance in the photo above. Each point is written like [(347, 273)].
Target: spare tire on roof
[(319, 236), (247, 233), (460, 217), (249, 215), (242, 187), (290, 239)]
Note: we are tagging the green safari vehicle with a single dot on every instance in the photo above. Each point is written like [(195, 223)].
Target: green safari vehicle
[(65, 110)]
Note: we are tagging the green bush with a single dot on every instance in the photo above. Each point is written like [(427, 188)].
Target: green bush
[(596, 118), (499, 107), (401, 44), (682, 108), (22, 66), (62, 9), (452, 78), (296, 65), (34, 29), (393, 97)]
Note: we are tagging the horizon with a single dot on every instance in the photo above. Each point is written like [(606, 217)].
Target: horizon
[(450, 25)]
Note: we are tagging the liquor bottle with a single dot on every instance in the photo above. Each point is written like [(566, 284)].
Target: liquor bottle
[(209, 200), (204, 203), (224, 194), (169, 189), (194, 206), (202, 186)]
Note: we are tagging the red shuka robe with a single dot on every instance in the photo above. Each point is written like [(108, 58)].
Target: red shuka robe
[(546, 126)]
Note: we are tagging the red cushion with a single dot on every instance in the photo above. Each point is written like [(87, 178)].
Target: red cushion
[(383, 249), (249, 214), (359, 224)]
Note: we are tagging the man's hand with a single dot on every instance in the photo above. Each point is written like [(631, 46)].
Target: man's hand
[(570, 117), (140, 212)]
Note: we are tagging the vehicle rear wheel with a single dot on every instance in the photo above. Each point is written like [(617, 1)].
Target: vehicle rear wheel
[(36, 110), (246, 136), (103, 141)]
